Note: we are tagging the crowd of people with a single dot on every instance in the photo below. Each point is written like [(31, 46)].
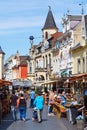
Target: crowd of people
[(18, 101), (21, 100)]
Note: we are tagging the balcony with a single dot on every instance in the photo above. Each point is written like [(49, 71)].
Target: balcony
[(40, 69)]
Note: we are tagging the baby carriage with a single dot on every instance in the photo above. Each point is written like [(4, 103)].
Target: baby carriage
[(34, 117)]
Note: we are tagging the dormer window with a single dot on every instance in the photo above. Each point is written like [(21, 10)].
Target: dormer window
[(46, 35)]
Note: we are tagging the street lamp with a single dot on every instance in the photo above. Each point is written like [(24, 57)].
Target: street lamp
[(31, 40)]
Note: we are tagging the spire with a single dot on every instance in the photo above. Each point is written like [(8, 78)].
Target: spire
[(50, 22), (1, 51)]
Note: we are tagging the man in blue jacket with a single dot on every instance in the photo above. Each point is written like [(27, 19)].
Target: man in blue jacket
[(39, 104)]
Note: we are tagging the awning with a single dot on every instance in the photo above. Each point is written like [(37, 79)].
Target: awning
[(23, 83), (78, 77), (4, 82)]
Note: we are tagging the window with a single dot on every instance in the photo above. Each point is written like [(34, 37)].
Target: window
[(46, 35), (61, 56), (78, 66), (57, 45), (30, 68), (46, 61), (39, 50), (46, 76), (83, 65), (49, 60), (43, 62)]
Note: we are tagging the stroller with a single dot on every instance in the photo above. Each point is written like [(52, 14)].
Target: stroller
[(34, 117)]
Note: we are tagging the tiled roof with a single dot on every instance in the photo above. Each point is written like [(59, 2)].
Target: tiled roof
[(55, 36), (50, 23)]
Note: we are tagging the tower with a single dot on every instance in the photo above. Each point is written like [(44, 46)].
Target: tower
[(49, 27)]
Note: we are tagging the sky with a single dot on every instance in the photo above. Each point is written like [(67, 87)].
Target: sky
[(20, 19)]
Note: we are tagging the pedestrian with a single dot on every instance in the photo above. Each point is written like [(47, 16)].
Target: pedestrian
[(32, 97), (39, 104), (63, 98), (0, 111), (50, 103), (22, 105), (13, 102)]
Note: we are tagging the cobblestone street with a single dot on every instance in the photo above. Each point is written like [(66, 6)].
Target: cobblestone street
[(48, 123)]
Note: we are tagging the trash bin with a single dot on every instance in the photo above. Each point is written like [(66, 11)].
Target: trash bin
[(80, 122)]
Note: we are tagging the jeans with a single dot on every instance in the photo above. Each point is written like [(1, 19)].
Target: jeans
[(39, 115), (31, 103), (14, 110), (22, 111)]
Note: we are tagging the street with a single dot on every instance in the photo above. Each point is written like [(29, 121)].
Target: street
[(48, 123)]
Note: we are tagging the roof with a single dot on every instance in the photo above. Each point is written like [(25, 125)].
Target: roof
[(54, 37), (50, 22), (75, 17), (74, 20), (23, 60)]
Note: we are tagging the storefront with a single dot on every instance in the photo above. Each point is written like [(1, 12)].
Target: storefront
[(78, 83), (4, 101)]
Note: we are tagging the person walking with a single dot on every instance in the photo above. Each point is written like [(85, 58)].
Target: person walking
[(32, 97), (13, 102), (22, 104), (63, 98), (39, 103)]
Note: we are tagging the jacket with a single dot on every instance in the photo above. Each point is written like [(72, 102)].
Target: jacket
[(39, 102)]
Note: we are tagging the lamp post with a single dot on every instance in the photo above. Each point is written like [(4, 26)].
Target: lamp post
[(31, 40)]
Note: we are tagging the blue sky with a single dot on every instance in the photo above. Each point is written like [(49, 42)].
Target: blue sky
[(20, 19)]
